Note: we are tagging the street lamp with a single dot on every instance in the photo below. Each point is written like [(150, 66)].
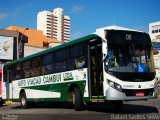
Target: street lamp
[(19, 45)]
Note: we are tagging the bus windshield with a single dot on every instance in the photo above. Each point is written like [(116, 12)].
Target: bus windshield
[(130, 58), (128, 52)]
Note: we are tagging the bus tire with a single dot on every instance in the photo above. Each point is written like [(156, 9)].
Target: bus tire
[(23, 100), (77, 99)]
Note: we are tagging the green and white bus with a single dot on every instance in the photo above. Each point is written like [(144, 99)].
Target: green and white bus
[(112, 64)]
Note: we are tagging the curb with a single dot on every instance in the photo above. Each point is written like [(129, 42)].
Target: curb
[(8, 102)]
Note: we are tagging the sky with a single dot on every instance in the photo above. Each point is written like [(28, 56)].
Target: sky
[(86, 15)]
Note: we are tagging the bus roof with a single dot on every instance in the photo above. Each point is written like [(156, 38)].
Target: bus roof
[(85, 38), (114, 27)]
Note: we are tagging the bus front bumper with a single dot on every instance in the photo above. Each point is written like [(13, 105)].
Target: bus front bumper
[(113, 94)]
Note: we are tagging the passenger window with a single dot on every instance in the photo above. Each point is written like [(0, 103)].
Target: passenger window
[(26, 68), (77, 58), (35, 67), (47, 66), (61, 60)]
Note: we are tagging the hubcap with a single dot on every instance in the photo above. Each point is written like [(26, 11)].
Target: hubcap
[(73, 98), (23, 101)]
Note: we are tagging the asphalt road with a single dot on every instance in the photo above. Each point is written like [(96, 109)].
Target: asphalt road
[(131, 110)]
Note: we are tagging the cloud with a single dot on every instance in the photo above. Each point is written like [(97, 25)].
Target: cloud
[(76, 9), (76, 35), (3, 15)]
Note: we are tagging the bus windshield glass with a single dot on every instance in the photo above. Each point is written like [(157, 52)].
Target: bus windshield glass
[(129, 52), (129, 59)]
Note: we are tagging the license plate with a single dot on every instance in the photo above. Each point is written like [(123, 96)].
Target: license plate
[(139, 93)]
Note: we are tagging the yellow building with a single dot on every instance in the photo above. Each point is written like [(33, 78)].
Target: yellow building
[(35, 37)]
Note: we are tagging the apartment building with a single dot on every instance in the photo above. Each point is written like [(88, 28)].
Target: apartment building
[(54, 24), (154, 31)]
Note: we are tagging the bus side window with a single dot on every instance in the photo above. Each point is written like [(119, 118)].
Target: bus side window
[(61, 60), (77, 59), (80, 62), (47, 64), (35, 66), (26, 68), (18, 71)]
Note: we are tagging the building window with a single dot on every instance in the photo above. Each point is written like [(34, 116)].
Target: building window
[(49, 15), (66, 28), (54, 37), (55, 31), (49, 27), (66, 19), (152, 31), (48, 21), (67, 25), (48, 33), (67, 34), (49, 24)]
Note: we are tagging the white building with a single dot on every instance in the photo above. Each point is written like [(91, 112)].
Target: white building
[(54, 24), (154, 31), (29, 50)]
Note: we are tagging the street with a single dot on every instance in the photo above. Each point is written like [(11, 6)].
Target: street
[(93, 111)]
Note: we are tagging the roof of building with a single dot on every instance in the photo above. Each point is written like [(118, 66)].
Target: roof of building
[(35, 37)]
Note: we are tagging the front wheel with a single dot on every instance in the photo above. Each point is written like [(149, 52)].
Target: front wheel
[(23, 100), (77, 99)]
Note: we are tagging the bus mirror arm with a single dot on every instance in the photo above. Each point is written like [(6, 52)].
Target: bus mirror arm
[(104, 41)]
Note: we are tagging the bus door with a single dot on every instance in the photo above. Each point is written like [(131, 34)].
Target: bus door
[(9, 78), (95, 68)]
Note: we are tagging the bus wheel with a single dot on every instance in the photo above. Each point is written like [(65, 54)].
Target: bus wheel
[(77, 99), (23, 100)]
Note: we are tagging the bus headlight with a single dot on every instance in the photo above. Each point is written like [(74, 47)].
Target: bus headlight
[(118, 87), (115, 85), (110, 83)]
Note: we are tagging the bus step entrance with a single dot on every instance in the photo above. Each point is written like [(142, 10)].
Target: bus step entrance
[(96, 100)]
